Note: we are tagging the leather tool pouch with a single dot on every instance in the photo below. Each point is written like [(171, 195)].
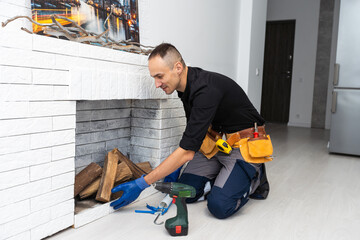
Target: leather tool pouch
[(256, 150), (208, 147)]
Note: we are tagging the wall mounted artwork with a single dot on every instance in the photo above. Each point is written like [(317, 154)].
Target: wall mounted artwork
[(117, 20)]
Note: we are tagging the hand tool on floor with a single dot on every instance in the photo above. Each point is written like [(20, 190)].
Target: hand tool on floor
[(160, 210), (178, 225)]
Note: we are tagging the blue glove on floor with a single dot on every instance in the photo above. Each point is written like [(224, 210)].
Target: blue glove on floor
[(131, 191), (173, 177)]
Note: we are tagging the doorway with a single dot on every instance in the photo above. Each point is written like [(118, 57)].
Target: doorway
[(277, 75)]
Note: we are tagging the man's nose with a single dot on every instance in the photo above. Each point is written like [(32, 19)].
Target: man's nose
[(157, 83)]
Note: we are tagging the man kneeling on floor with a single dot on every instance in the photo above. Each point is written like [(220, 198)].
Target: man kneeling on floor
[(215, 105)]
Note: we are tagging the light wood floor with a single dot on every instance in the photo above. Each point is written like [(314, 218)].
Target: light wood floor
[(314, 195)]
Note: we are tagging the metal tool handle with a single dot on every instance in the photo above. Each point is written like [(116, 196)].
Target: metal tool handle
[(334, 102), (336, 74)]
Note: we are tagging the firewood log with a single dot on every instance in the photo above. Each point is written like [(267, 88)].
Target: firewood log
[(137, 171), (107, 177), (86, 176), (123, 174)]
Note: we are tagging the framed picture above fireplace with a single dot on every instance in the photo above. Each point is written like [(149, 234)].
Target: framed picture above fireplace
[(119, 17)]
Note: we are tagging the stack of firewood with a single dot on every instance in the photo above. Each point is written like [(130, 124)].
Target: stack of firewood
[(117, 169)]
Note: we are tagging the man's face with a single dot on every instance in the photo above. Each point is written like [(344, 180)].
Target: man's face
[(165, 78)]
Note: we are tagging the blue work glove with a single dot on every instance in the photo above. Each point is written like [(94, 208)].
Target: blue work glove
[(131, 191), (173, 177)]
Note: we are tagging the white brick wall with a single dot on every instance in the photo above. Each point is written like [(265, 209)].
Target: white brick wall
[(41, 79)]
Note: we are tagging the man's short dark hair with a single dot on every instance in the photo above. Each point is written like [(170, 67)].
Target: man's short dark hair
[(169, 53)]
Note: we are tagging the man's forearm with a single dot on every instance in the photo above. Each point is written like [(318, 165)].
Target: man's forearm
[(178, 158)]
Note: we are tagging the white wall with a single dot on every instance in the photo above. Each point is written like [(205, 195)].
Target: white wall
[(204, 31), (306, 14), (256, 57), (225, 37)]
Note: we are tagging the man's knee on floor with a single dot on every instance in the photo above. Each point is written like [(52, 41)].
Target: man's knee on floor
[(198, 182), (222, 207)]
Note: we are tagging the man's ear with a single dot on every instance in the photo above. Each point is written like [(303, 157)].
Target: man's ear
[(179, 67)]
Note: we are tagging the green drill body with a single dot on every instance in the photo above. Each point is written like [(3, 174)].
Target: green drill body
[(178, 225)]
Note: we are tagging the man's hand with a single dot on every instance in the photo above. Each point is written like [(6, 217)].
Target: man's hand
[(131, 191)]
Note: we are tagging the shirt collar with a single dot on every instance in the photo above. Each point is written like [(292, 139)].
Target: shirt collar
[(189, 79)]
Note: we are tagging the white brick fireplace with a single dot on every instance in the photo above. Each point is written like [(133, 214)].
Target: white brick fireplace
[(41, 81)]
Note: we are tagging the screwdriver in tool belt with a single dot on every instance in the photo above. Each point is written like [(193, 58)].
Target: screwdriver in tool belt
[(256, 133)]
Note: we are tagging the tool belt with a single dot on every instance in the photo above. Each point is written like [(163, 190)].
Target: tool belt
[(253, 150)]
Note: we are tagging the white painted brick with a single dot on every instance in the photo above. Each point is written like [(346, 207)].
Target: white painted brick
[(14, 211), (84, 50), (133, 81), (62, 209), (51, 198), (14, 178), (63, 180), (86, 81), (11, 36), (15, 74), (95, 86), (22, 236), (24, 126), (49, 139), (122, 82), (101, 53), (20, 3), (143, 70), (75, 87), (92, 214), (63, 151), (40, 217), (104, 78), (66, 62), (63, 137), (17, 92), (50, 77), (54, 108), (14, 144), (11, 10), (51, 169), (62, 166), (114, 86), (14, 92), (144, 60), (54, 45), (52, 227), (14, 110), (61, 93), (40, 171), (22, 192), (125, 57), (64, 122), (41, 92), (10, 56), (13, 26), (142, 89), (14, 227), (41, 140), (24, 159)]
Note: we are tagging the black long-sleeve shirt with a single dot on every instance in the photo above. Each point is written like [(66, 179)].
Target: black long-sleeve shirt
[(212, 98)]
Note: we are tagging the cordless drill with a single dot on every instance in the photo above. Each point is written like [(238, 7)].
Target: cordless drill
[(178, 225)]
